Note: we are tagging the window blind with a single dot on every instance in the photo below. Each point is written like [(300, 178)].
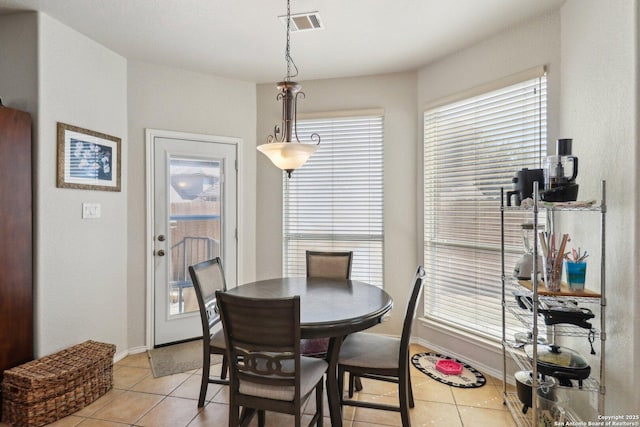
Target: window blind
[(335, 201), (472, 148)]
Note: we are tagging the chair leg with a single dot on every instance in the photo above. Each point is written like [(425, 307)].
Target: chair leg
[(234, 415), (341, 383), (358, 383), (246, 415), (355, 383), (411, 402), (206, 367), (351, 384), (224, 368), (404, 393), (319, 403), (261, 418)]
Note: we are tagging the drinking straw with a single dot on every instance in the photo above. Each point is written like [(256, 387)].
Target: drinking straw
[(543, 244), (558, 260)]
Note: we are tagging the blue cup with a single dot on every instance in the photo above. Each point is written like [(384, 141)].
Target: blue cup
[(576, 273)]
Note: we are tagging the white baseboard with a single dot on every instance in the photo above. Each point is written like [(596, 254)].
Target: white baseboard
[(122, 354)]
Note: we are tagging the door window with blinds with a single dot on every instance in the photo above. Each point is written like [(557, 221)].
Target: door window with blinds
[(473, 148), (335, 201)]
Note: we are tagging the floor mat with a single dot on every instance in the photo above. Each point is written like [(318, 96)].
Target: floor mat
[(468, 378), (177, 358)]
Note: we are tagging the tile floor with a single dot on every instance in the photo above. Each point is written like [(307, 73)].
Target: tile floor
[(138, 399)]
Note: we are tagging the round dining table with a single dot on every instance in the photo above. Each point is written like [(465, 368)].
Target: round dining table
[(329, 308)]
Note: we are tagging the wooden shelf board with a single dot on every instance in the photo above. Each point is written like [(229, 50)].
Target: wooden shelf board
[(564, 290)]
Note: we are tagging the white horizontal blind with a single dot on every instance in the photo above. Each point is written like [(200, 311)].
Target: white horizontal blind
[(335, 201), (472, 148)]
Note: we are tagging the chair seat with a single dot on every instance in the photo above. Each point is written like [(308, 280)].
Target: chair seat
[(312, 370), (370, 350), (217, 340), (314, 346)]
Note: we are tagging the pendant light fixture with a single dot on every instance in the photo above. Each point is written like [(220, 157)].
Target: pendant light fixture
[(280, 148)]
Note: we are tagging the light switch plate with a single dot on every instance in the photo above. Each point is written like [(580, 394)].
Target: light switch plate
[(90, 210)]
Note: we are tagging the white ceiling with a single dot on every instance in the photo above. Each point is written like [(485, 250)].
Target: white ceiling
[(244, 39)]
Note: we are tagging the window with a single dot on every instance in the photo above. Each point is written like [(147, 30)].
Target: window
[(335, 201), (472, 148)]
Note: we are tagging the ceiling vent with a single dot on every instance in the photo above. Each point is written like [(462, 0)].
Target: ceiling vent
[(303, 21)]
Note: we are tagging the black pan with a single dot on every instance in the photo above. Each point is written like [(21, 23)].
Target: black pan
[(561, 363)]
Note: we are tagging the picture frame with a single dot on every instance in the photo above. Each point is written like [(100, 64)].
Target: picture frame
[(87, 160)]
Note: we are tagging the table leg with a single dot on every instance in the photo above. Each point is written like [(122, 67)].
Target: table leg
[(333, 394)]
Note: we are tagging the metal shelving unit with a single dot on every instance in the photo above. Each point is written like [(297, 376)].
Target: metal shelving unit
[(529, 316)]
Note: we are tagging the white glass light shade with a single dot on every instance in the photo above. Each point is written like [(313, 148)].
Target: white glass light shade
[(288, 155)]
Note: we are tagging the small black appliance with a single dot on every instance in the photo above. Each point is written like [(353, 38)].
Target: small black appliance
[(523, 185), (560, 174)]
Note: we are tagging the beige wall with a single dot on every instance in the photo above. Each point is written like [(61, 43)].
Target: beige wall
[(395, 93), (170, 99), (599, 109), (81, 282), (19, 62)]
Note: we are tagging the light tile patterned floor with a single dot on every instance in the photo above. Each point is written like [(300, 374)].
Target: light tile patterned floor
[(138, 399)]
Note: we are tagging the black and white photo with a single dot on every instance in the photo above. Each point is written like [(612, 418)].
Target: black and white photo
[(87, 159)]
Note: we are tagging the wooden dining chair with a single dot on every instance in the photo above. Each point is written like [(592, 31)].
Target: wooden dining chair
[(266, 371), (383, 358), (208, 277), (329, 265)]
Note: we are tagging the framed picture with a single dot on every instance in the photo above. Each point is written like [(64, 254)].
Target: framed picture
[(87, 160)]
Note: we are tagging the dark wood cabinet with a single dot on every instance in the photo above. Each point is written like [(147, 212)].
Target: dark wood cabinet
[(16, 242)]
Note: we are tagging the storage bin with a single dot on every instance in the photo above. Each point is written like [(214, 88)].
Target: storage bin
[(52, 387)]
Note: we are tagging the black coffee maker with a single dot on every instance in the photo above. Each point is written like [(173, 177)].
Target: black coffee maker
[(560, 172), (523, 185)]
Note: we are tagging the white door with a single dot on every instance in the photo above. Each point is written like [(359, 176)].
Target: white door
[(194, 188)]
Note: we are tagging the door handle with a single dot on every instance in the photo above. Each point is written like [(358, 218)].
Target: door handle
[(160, 252)]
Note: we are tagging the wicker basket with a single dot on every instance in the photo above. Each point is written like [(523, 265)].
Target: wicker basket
[(45, 390)]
